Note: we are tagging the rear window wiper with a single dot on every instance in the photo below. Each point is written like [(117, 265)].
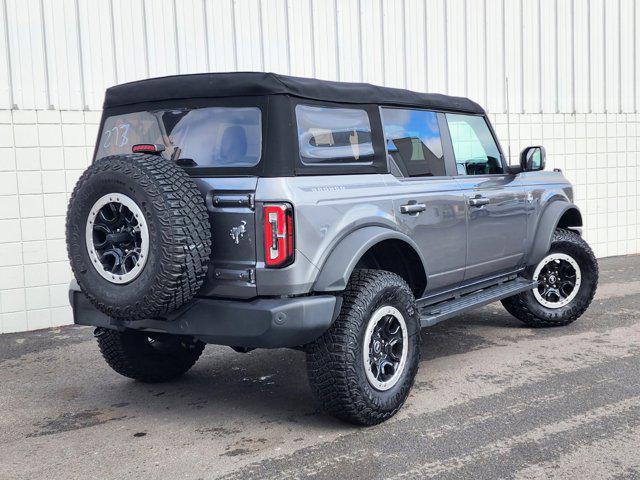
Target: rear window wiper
[(186, 162)]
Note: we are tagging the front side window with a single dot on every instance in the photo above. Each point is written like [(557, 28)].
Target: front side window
[(413, 141), (334, 136), (475, 149), (209, 137)]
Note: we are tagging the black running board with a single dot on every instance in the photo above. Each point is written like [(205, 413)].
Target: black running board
[(433, 314)]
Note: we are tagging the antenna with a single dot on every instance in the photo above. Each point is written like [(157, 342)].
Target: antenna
[(506, 85)]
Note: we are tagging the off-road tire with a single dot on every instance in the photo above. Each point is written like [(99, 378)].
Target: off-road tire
[(131, 354), (334, 361), (526, 308), (179, 235)]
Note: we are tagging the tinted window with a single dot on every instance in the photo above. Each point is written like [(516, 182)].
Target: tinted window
[(413, 141), (332, 136), (475, 149), (211, 137)]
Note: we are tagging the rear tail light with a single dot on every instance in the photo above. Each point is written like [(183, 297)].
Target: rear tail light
[(278, 235)]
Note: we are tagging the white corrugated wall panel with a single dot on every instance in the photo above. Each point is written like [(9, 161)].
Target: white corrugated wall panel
[(394, 47), (564, 13), (581, 57), (131, 57), (248, 35), (325, 43), (221, 35), (63, 53), (549, 56), (513, 54), (275, 35), (191, 36), (437, 51), (572, 69), (27, 53), (301, 37), (415, 45), (349, 53), (557, 56), (612, 55), (6, 100), (495, 56), (456, 23), (98, 54), (373, 66), (596, 58), (636, 33), (476, 77), (531, 60), (628, 56), (159, 29)]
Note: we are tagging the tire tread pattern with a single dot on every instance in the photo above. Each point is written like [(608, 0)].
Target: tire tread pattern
[(184, 227), (129, 355), (333, 358), (520, 306)]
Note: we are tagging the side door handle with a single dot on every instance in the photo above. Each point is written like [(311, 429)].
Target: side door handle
[(413, 208), (478, 201)]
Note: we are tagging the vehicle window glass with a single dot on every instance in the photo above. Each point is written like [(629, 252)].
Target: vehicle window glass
[(475, 149), (211, 137), (330, 136), (413, 141)]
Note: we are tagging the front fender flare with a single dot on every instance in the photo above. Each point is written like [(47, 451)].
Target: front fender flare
[(546, 226), (337, 268)]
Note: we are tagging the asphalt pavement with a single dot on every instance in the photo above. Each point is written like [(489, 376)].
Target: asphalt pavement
[(492, 399)]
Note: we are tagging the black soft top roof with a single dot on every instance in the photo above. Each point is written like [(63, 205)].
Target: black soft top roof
[(238, 84)]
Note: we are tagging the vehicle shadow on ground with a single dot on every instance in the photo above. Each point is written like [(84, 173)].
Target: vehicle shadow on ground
[(465, 333), (261, 387), (270, 386)]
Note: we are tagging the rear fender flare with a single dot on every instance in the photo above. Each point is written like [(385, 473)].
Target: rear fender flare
[(339, 265)]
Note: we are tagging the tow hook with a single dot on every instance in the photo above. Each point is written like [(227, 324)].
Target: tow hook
[(99, 331)]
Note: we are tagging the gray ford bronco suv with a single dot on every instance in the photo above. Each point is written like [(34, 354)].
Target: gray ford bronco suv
[(258, 210)]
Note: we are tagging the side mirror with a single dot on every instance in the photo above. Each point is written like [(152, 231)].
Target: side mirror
[(533, 159)]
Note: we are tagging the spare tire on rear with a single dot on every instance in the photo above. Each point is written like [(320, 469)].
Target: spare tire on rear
[(138, 236)]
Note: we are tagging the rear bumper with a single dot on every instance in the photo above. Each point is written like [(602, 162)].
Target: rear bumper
[(260, 323)]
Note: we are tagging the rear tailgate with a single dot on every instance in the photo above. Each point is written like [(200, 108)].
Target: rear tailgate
[(219, 142), (230, 202)]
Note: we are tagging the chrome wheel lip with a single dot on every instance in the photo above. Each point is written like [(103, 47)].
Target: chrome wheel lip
[(144, 235), (569, 298), (378, 315)]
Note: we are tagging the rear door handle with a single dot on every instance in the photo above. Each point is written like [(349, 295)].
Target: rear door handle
[(478, 201), (413, 208)]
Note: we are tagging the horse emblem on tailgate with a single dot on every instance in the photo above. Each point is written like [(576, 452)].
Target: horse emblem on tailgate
[(238, 232)]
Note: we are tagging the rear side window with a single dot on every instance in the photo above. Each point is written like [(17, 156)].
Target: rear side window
[(210, 137), (334, 136), (413, 141), (474, 147)]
